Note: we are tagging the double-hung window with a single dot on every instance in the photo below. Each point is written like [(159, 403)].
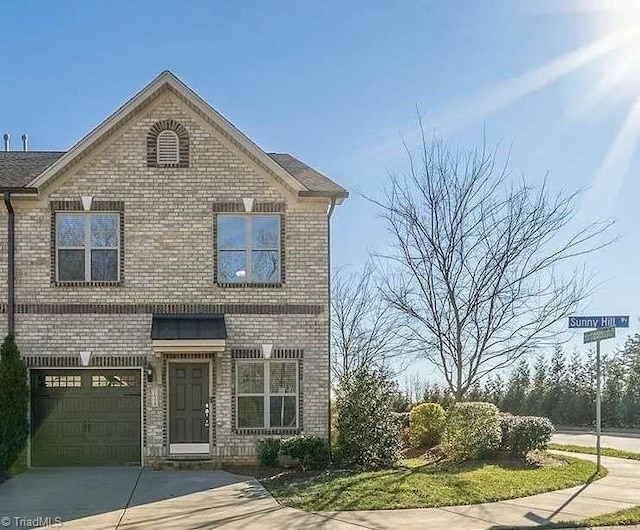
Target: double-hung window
[(248, 248), (87, 247), (267, 394)]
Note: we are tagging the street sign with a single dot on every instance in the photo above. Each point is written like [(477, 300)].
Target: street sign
[(600, 334), (599, 322)]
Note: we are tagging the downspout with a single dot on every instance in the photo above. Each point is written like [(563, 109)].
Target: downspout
[(10, 263), (329, 214)]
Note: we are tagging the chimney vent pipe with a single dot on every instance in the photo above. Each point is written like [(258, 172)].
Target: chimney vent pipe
[(7, 139), (25, 142)]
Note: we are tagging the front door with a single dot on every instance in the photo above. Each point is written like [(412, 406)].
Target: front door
[(188, 408)]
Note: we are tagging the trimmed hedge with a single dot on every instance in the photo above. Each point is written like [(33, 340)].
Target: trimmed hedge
[(472, 430), (522, 434), (312, 452), (426, 424)]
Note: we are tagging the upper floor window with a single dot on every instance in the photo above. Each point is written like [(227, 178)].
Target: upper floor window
[(168, 148), (168, 145), (248, 248), (87, 247)]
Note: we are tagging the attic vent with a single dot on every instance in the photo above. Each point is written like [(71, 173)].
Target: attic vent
[(168, 148), (168, 145)]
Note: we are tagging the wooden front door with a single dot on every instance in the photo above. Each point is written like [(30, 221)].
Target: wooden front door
[(188, 407)]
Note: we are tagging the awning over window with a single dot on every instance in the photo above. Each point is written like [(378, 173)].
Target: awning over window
[(188, 333)]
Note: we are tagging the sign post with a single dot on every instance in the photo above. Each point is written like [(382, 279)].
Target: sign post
[(596, 336), (605, 329)]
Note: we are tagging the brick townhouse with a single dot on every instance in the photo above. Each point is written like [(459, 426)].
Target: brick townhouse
[(167, 286)]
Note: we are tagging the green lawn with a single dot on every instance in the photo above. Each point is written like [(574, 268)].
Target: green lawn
[(418, 484), (605, 451), (623, 517)]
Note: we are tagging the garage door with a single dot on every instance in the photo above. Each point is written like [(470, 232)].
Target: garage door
[(85, 417)]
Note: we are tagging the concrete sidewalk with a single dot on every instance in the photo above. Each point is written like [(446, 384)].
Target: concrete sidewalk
[(134, 499), (618, 490)]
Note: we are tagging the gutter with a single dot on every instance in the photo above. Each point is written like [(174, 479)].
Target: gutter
[(329, 214), (10, 263)]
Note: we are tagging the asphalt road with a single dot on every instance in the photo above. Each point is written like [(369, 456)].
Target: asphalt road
[(627, 442)]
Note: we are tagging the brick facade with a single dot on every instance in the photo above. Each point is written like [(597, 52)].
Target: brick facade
[(168, 248)]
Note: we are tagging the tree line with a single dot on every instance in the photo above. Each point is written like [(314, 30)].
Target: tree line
[(562, 387)]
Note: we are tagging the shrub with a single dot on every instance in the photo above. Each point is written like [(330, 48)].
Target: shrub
[(14, 402), (312, 452), (426, 424), (268, 450), (522, 434), (368, 430), (472, 430)]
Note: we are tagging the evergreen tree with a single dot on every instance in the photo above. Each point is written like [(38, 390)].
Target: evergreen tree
[(554, 400), (517, 386), (536, 396), (613, 389), (14, 397), (631, 398)]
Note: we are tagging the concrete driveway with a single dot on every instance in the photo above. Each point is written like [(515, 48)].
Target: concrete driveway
[(131, 498), (627, 442)]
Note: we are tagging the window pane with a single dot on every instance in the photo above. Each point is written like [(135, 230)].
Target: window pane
[(265, 232), (71, 265), (250, 411), (232, 267), (265, 266), (282, 411), (232, 232), (104, 231), (282, 378), (70, 230), (104, 265), (250, 378)]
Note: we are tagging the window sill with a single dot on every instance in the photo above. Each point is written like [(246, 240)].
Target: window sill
[(250, 285), (286, 430), (88, 284)]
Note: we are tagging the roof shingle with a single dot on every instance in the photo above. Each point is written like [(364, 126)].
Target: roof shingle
[(18, 168)]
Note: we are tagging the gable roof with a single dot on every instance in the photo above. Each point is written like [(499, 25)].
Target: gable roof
[(298, 185), (18, 168)]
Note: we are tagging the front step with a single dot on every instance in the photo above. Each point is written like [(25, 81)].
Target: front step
[(186, 462)]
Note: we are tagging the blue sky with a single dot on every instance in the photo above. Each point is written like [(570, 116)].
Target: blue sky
[(337, 83)]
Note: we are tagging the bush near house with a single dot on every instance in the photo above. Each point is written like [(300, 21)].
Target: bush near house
[(472, 430), (268, 450), (14, 399), (368, 430), (426, 424), (312, 452), (522, 434)]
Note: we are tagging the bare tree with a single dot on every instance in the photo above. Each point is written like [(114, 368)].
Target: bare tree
[(365, 330), (477, 259)]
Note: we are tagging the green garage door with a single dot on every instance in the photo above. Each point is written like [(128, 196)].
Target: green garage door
[(85, 417)]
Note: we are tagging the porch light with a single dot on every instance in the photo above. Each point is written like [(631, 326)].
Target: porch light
[(149, 372)]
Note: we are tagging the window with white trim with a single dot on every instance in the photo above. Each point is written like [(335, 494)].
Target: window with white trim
[(248, 248), (267, 394), (87, 247), (168, 148)]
